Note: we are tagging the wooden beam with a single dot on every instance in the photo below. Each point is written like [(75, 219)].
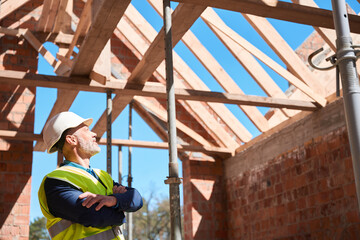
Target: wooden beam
[(250, 64), (24, 136), (10, 6), (272, 131), (63, 17), (84, 23), (104, 22), (58, 38), (102, 68), (150, 89), (162, 114), (48, 15), (324, 32), (193, 80), (198, 110), (217, 26), (182, 19), (284, 51), (158, 126), (37, 45), (244, 100), (329, 35), (165, 145), (280, 10), (34, 42), (25, 18), (102, 27), (11, 32)]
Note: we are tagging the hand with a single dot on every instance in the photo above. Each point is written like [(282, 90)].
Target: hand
[(119, 189), (92, 198)]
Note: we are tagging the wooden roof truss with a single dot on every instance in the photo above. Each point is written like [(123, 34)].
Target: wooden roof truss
[(90, 68)]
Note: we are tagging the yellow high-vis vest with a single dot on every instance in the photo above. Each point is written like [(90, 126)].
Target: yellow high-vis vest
[(61, 229)]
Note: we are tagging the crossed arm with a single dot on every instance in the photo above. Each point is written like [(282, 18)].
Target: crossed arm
[(90, 209), (109, 201)]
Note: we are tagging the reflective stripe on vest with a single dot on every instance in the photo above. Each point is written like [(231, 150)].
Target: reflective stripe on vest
[(106, 235), (59, 227), (85, 182)]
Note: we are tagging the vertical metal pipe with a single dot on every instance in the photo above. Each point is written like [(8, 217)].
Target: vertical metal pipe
[(120, 164), (351, 91), (130, 148), (120, 173), (108, 131), (129, 216), (173, 179)]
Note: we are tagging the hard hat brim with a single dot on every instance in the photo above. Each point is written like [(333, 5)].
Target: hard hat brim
[(53, 147)]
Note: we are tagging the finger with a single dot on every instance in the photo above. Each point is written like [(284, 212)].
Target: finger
[(122, 189), (87, 200), (117, 189), (100, 205), (93, 201), (87, 196), (84, 195)]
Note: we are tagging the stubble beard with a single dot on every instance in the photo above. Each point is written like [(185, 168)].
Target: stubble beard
[(88, 147)]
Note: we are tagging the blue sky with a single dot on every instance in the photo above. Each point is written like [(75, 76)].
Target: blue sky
[(150, 166)]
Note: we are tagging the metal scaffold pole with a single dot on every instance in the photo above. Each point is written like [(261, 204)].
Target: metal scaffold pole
[(346, 61), (108, 131), (120, 172), (120, 164), (173, 178), (130, 216)]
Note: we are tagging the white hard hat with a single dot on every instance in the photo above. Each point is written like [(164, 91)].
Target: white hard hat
[(55, 127)]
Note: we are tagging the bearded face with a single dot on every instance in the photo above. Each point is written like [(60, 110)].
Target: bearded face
[(87, 144), (89, 147)]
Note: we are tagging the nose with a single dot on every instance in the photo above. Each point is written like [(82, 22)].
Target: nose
[(93, 134)]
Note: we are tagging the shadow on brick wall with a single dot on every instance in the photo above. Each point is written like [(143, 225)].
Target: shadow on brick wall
[(19, 18), (204, 200), (17, 114), (15, 175)]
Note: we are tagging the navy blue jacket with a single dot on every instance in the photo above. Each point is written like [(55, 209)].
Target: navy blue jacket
[(63, 201)]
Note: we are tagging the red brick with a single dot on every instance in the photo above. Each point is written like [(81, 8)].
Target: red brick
[(350, 190), (337, 193), (288, 163), (300, 181), (353, 216), (289, 185), (22, 220), (315, 224), (291, 206), (322, 197), (301, 203)]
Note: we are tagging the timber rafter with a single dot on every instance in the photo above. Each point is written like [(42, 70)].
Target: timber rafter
[(99, 19)]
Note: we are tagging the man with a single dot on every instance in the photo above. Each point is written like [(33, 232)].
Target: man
[(78, 201)]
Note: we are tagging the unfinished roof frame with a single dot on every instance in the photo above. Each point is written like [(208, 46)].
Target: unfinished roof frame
[(100, 19)]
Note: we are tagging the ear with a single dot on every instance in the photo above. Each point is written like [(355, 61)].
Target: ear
[(71, 140)]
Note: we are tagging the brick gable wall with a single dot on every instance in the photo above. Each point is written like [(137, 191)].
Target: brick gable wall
[(306, 191), (17, 104)]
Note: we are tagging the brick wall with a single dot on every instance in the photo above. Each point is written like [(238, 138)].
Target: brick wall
[(296, 184), (204, 198), (17, 113)]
